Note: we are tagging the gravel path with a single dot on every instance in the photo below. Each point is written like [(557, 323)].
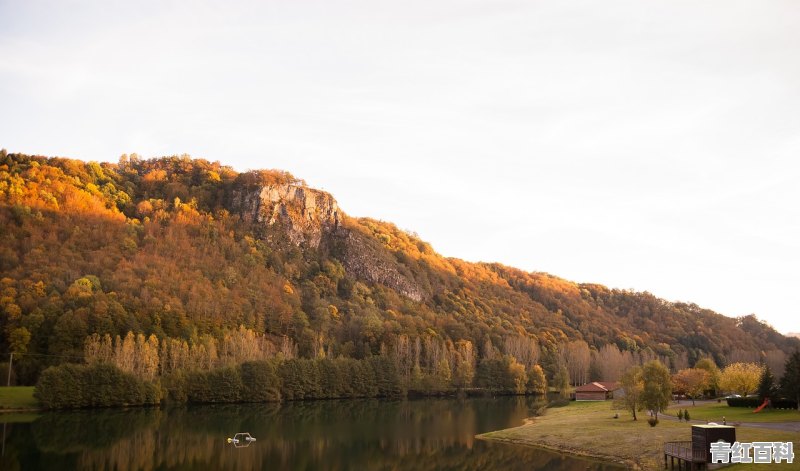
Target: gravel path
[(784, 426)]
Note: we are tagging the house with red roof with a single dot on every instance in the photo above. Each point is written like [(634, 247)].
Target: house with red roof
[(596, 391)]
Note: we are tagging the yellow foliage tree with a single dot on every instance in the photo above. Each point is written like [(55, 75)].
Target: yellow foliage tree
[(741, 378), (693, 381)]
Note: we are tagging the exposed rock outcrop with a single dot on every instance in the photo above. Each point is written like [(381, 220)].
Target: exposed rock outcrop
[(370, 262), (304, 213), (312, 218)]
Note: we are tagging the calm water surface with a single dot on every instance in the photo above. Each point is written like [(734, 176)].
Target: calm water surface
[(418, 435)]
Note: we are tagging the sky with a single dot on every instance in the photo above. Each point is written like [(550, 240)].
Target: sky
[(643, 145)]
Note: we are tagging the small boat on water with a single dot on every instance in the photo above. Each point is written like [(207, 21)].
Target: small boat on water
[(241, 439)]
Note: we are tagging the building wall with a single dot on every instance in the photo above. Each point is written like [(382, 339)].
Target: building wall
[(590, 396)]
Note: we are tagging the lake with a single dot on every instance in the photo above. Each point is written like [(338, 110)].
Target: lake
[(418, 435)]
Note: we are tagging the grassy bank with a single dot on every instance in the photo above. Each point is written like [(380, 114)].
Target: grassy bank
[(715, 411), (589, 429), (17, 397)]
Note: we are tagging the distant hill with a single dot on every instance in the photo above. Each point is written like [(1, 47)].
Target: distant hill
[(191, 249)]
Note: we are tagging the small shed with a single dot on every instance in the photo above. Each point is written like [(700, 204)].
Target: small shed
[(596, 391), (696, 453), (704, 435)]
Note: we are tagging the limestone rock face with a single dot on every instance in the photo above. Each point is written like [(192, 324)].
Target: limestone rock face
[(368, 262), (311, 218), (305, 214)]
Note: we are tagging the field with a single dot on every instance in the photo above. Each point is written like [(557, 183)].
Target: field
[(714, 412), (590, 429), (17, 397)]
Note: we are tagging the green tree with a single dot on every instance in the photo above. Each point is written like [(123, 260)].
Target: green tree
[(561, 380), (519, 378), (713, 373), (219, 385), (632, 387), (61, 387), (790, 382), (657, 390), (98, 385), (442, 374), (537, 382), (766, 385), (18, 340), (386, 378), (260, 382)]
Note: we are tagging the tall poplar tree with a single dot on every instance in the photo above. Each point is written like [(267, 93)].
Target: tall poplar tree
[(657, 390), (632, 386)]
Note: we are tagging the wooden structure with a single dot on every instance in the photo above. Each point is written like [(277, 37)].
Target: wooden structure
[(704, 435), (596, 391), (687, 456), (697, 453)]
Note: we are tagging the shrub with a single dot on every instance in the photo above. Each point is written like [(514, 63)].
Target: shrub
[(744, 402), (220, 385), (783, 404), (260, 382), (362, 378), (754, 402), (386, 377), (175, 386), (300, 379), (686, 415), (652, 421), (100, 385), (558, 403), (61, 387)]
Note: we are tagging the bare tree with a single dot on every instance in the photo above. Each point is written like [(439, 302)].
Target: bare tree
[(612, 363), (776, 360), (577, 357), (743, 356), (524, 349), (98, 349)]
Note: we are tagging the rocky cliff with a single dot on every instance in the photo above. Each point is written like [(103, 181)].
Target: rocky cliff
[(305, 214), (312, 218), (366, 260)]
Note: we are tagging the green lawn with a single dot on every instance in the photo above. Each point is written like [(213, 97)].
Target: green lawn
[(714, 411), (18, 417), (589, 429), (17, 397)]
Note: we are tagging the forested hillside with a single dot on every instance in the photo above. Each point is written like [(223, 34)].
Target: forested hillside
[(215, 267)]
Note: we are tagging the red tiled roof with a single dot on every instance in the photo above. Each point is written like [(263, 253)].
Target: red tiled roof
[(597, 387)]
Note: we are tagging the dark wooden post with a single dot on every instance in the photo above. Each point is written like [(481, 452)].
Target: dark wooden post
[(10, 362)]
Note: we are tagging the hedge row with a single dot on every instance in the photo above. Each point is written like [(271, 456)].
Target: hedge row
[(744, 402), (101, 385), (754, 402), (264, 381), (104, 385)]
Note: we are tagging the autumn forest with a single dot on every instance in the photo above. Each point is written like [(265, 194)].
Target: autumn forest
[(186, 273)]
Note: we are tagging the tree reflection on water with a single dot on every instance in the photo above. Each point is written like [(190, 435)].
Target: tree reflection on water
[(429, 434)]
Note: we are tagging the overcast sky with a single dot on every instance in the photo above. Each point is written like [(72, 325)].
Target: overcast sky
[(650, 145)]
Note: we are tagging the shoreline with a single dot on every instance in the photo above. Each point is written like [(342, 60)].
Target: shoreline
[(589, 430), (26, 409), (577, 452)]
